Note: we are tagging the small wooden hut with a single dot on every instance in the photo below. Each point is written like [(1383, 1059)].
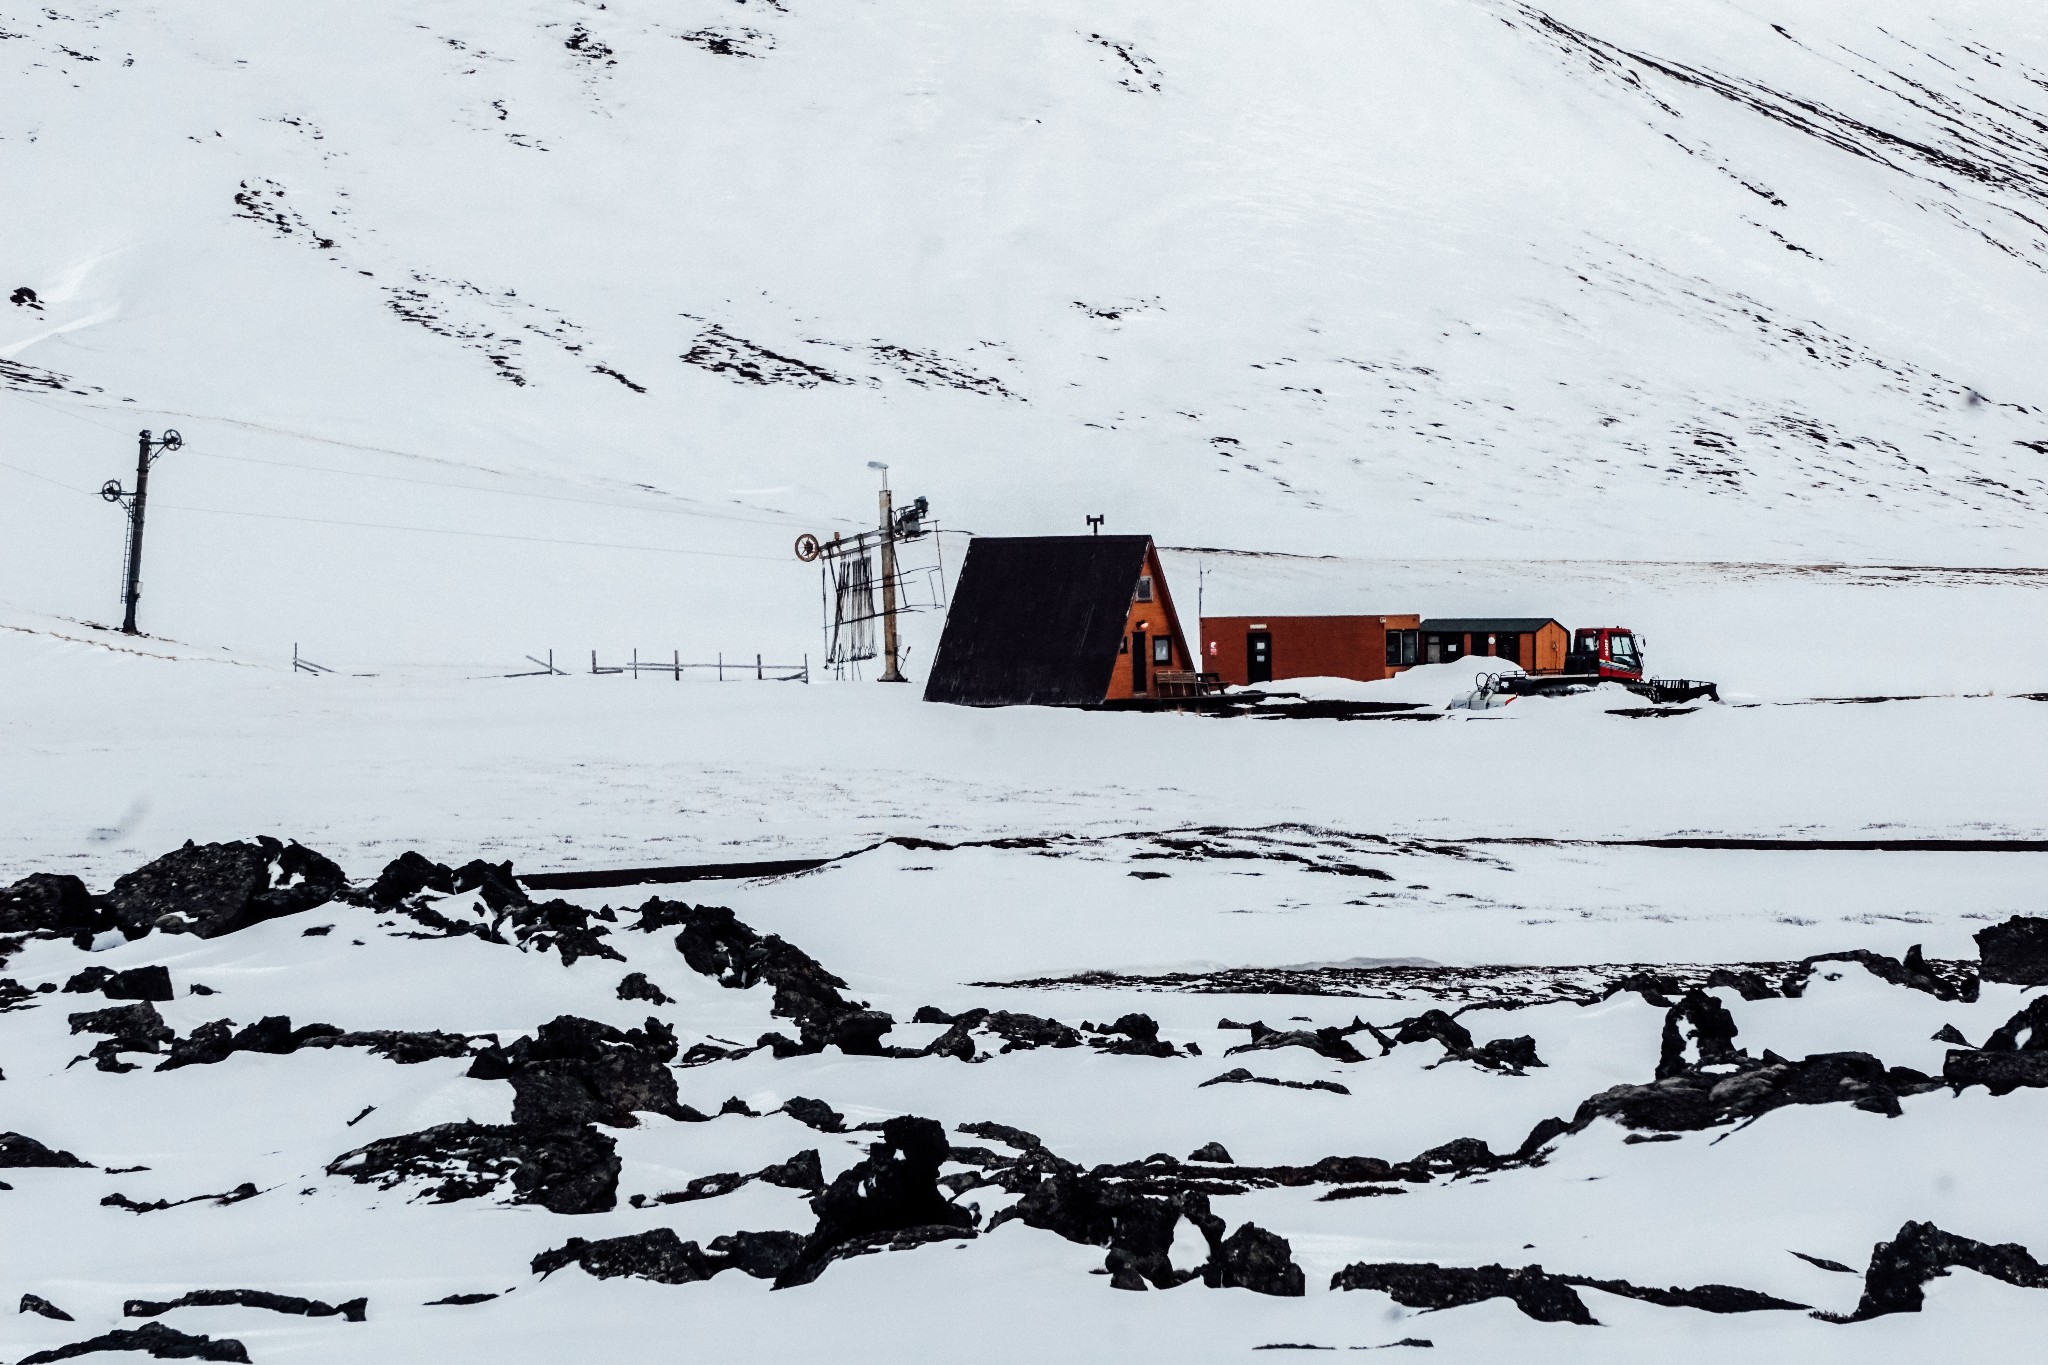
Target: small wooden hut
[(1059, 621)]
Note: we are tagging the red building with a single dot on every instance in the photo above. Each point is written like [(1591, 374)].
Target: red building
[(1257, 649)]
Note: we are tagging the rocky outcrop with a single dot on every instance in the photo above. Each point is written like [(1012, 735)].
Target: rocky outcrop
[(1900, 1269), (2015, 1055), (660, 1255), (217, 1041), (19, 1152), (215, 889), (165, 1343), (1255, 1259), (636, 986), (353, 1310), (574, 1071), (2015, 951), (1914, 973), (890, 1197), (1542, 1296), (804, 1171), (55, 904), (42, 1307), (568, 1170), (716, 944), (129, 1028), (137, 983)]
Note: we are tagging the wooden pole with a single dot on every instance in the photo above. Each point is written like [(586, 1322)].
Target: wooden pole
[(890, 673)]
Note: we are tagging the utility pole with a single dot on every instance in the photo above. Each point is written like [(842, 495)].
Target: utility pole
[(890, 673), (146, 454)]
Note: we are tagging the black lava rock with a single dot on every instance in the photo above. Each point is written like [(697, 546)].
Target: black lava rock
[(893, 1190), (1324, 1042), (815, 1114), (2015, 951), (165, 1343), (407, 876), (2015, 1055), (636, 986), (1211, 1151), (19, 1151), (36, 1303), (574, 1071), (1253, 1258), (137, 983), (131, 1028), (215, 889), (54, 903), (493, 881), (1915, 973), (1921, 1252), (659, 1255), (1545, 1298), (569, 1170), (353, 1310), (716, 944)]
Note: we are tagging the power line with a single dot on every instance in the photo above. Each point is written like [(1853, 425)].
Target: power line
[(47, 479), (483, 535), (502, 492), (414, 455)]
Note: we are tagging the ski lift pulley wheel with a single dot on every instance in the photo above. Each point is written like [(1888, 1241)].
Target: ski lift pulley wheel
[(807, 547), (111, 490)]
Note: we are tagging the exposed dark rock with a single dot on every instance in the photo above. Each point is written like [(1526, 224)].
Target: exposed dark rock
[(2015, 1055), (815, 1114), (1134, 1035), (1329, 1042), (716, 944), (574, 1071), (216, 1041), (1253, 1258), (493, 881), (131, 1028), (636, 986), (1511, 1055), (1003, 1133), (1695, 1100), (893, 1190), (2015, 951), (1750, 985), (165, 1343), (18, 1151), (801, 1172), (406, 876), (1712, 1033), (215, 889), (1915, 973), (245, 1190), (1211, 1151), (1949, 1033), (1019, 1032), (1358, 1192), (1544, 1297), (36, 1303), (569, 1170), (1922, 1252), (1238, 1075), (1825, 1264), (555, 924), (659, 1255), (353, 1310), (54, 903), (137, 983), (459, 1300)]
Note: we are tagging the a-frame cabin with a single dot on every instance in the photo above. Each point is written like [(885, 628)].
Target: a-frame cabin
[(1058, 621)]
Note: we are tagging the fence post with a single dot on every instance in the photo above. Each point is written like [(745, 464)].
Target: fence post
[(807, 683), (677, 660), (636, 669), (721, 665), (593, 661), (757, 668)]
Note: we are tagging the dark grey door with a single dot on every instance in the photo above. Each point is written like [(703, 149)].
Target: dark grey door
[(1138, 657), (1258, 653)]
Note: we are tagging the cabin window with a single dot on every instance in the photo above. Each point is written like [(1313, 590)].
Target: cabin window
[(1162, 650), (1145, 588), (1401, 647)]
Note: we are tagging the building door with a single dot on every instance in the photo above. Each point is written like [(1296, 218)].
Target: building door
[(1258, 653), (1138, 661)]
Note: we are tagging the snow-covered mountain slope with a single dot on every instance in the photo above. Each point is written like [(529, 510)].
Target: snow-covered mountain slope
[(1466, 278)]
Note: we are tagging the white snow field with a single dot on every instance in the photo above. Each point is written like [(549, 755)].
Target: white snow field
[(1576, 1030)]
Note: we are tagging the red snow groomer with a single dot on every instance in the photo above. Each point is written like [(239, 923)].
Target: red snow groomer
[(1599, 654)]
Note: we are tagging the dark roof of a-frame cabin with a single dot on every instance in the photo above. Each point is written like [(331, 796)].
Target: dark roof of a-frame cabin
[(1036, 620)]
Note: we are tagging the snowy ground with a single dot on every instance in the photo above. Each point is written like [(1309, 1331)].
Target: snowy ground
[(496, 329)]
